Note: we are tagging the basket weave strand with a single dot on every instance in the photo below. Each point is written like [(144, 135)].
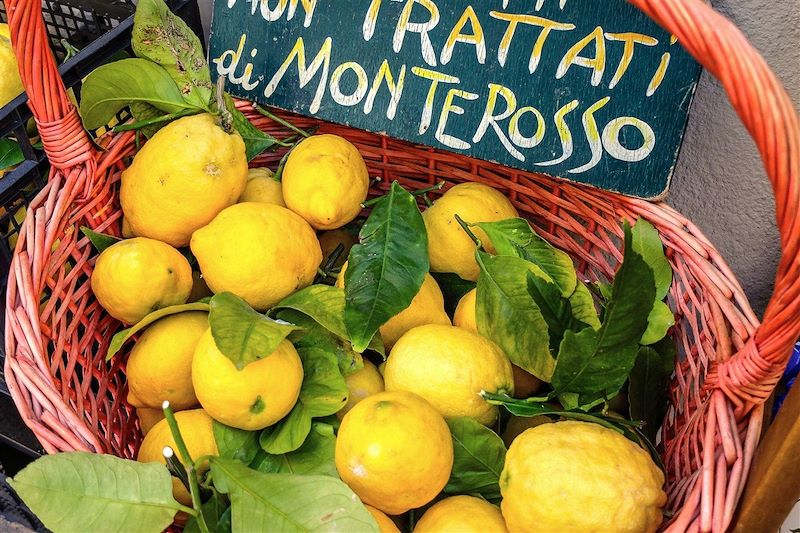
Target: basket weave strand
[(57, 334)]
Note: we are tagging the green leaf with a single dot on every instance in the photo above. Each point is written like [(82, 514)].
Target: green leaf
[(162, 37), (216, 514), (647, 389), (111, 87), (255, 140), (234, 443), (595, 364), (100, 241), (313, 334), (123, 336), (10, 154), (242, 334), (555, 310), (315, 456), (386, 270), (286, 502), (323, 393), (478, 458), (79, 491), (659, 321), (507, 314), (515, 237), (453, 288), (144, 111), (582, 305), (647, 243)]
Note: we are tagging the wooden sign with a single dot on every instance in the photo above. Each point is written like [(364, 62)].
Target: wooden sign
[(588, 90)]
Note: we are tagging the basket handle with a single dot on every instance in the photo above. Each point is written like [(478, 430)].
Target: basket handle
[(767, 112), (65, 141)]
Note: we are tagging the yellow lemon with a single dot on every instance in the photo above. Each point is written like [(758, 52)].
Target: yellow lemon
[(427, 307), (262, 187), (330, 240), (135, 277), (525, 384), (325, 181), (462, 514), (395, 451), (260, 252), (385, 524), (254, 397), (127, 232), (517, 425), (360, 384), (198, 434), (148, 418), (578, 476), (182, 178), (464, 316), (449, 246), (10, 82), (449, 367), (160, 365)]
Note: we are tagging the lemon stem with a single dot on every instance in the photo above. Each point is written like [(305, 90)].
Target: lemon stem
[(282, 122), (225, 116), (466, 227), (186, 458), (156, 120), (419, 192)]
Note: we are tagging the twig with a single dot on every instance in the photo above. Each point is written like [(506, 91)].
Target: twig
[(282, 122), (156, 120)]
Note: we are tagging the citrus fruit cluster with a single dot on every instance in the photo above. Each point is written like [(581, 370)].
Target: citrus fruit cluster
[(199, 223)]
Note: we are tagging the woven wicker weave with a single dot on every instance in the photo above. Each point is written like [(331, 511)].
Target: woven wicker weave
[(57, 334)]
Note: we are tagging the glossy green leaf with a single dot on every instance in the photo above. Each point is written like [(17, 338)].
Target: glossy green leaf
[(255, 141), (216, 515), (325, 305), (100, 241), (123, 336), (315, 456), (659, 321), (647, 389), (647, 243), (287, 502), (323, 393), (595, 364), (10, 154), (164, 38), (556, 311), (506, 313), (242, 334), (386, 269), (515, 237), (235, 443), (478, 458), (113, 86), (144, 111), (79, 491), (583, 308)]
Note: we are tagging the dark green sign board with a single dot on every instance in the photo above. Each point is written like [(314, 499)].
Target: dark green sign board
[(588, 90)]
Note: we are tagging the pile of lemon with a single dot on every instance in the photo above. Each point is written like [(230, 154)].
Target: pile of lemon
[(260, 239)]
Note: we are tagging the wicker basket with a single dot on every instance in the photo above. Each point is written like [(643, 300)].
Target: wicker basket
[(57, 334)]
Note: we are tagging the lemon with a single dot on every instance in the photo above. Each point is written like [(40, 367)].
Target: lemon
[(517, 425), (260, 252), (449, 367), (148, 418), (464, 317), (449, 246), (10, 82), (181, 178), (127, 232), (427, 307), (395, 451), (385, 524), (360, 384), (578, 476), (254, 397), (262, 187), (198, 434), (135, 277), (160, 365), (325, 181), (330, 240), (525, 384), (461, 514)]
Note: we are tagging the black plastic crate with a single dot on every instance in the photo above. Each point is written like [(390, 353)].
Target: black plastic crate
[(101, 30)]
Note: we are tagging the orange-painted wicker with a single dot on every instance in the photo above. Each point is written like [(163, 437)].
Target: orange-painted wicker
[(57, 334)]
